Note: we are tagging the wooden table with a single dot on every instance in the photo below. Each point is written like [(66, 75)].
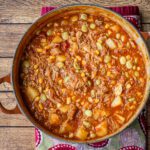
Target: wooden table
[(16, 132)]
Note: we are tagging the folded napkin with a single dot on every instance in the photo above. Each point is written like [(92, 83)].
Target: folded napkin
[(132, 138)]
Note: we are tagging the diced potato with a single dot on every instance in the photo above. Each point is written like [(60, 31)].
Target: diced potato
[(100, 113), (64, 108), (65, 128), (65, 35), (117, 102), (81, 133), (31, 93), (102, 129), (118, 90), (61, 58), (110, 43), (96, 114), (120, 119), (57, 39), (54, 119)]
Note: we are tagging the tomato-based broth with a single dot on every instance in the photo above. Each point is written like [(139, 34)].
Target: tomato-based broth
[(83, 76)]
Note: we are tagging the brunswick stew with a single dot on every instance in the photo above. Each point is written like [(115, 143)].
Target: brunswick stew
[(83, 76)]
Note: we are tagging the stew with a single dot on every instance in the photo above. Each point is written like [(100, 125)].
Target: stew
[(83, 76)]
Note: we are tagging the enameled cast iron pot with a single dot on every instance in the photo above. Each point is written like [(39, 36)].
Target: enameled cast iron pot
[(42, 21)]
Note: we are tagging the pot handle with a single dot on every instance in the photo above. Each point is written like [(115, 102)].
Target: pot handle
[(146, 35), (2, 108)]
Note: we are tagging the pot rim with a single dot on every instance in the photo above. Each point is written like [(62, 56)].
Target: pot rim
[(38, 125)]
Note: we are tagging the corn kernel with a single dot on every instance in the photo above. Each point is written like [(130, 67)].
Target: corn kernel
[(37, 70), (106, 26), (63, 90), (109, 65), (78, 58), (68, 100), (97, 52), (134, 67), (73, 98), (35, 66), (108, 73), (96, 100), (138, 68), (40, 106), (83, 62), (118, 35), (136, 73), (128, 57), (52, 57), (40, 80), (82, 74), (109, 32), (82, 103), (107, 59), (37, 98), (74, 18), (60, 81), (100, 59), (39, 50)]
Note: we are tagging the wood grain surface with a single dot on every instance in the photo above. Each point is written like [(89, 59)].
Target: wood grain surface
[(16, 132)]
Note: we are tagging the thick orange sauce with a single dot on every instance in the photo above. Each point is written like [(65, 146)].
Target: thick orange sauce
[(83, 76)]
